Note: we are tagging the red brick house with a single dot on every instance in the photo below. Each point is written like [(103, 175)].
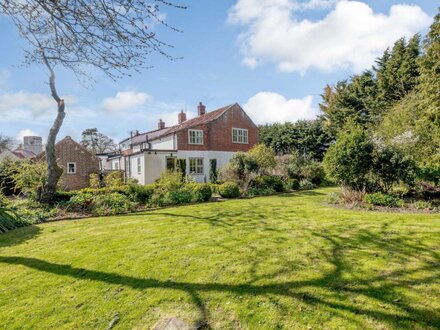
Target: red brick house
[(211, 137), (77, 163)]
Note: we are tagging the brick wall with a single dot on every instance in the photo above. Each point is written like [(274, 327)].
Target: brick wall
[(69, 151), (217, 135)]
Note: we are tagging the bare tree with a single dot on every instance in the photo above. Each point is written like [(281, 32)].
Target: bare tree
[(97, 142), (114, 36), (7, 142)]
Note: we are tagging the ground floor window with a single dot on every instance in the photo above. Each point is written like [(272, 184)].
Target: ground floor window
[(171, 164), (71, 168), (196, 165)]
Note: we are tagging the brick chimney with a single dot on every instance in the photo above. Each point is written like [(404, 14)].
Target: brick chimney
[(161, 124), (181, 117), (201, 109)]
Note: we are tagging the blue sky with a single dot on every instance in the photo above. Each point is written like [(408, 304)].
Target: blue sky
[(272, 56)]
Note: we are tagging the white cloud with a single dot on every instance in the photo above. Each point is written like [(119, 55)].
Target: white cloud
[(28, 106), (351, 36), (25, 132), (268, 107), (125, 101)]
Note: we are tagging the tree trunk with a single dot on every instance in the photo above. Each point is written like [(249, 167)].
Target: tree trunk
[(54, 172)]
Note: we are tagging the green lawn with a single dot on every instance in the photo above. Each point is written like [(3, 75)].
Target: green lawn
[(281, 262)]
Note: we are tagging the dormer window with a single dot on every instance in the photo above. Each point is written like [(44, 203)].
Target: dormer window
[(240, 135), (195, 136)]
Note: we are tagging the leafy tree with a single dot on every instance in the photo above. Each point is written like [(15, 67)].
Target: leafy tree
[(367, 97), (348, 161), (113, 36), (97, 142), (308, 137)]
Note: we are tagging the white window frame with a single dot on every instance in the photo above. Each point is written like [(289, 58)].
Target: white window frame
[(115, 165), (68, 168), (197, 166), (139, 165), (242, 138), (197, 140)]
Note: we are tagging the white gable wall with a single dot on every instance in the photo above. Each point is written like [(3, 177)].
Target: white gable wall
[(165, 143)]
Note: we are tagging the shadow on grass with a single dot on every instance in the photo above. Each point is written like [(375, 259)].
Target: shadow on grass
[(18, 236), (385, 289)]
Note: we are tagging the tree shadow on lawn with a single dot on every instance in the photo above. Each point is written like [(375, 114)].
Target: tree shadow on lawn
[(18, 236), (384, 289)]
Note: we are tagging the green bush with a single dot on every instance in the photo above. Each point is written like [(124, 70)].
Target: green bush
[(391, 167), (111, 204), (262, 191), (214, 187), (30, 211), (306, 185), (9, 220), (333, 198), (201, 192), (349, 160), (80, 202), (229, 190), (114, 179), (422, 205), (380, 199), (8, 168), (291, 184), (62, 196), (141, 194), (313, 171), (95, 180), (267, 184)]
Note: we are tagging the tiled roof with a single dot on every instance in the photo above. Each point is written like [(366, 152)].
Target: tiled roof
[(206, 118), (22, 153)]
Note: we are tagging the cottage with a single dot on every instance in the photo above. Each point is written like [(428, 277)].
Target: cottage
[(201, 143), (77, 163)]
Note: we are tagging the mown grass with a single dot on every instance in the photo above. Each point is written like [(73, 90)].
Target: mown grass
[(280, 262)]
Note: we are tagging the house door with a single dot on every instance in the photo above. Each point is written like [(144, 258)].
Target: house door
[(171, 164)]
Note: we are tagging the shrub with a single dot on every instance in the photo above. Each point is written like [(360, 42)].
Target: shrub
[(348, 161), (214, 187), (351, 196), (306, 185), (391, 167), (111, 204), (7, 169), (94, 181), (291, 184), (9, 220), (141, 194), (213, 174), (81, 201), (262, 191), (422, 205), (268, 183), (30, 177), (201, 192), (263, 156), (312, 171), (114, 179), (333, 198), (30, 211), (63, 196), (381, 199), (229, 190)]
